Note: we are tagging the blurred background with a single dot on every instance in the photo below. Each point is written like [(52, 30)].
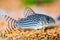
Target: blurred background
[(15, 8)]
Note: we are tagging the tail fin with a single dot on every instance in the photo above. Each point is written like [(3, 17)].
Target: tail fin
[(8, 19)]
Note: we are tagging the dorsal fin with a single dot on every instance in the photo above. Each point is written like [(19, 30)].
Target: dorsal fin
[(28, 11)]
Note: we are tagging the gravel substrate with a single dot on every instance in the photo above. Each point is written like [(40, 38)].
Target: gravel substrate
[(20, 34)]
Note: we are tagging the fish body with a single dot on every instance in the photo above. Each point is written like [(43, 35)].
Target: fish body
[(34, 20)]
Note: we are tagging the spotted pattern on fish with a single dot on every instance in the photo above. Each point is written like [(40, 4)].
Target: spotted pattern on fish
[(31, 20), (36, 21)]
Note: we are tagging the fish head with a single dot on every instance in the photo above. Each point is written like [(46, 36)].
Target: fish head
[(51, 22)]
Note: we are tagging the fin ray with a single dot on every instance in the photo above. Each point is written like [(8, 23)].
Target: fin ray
[(28, 11)]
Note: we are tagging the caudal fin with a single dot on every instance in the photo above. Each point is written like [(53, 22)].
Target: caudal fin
[(8, 19)]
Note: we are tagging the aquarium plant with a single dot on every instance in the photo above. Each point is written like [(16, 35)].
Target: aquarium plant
[(33, 2)]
